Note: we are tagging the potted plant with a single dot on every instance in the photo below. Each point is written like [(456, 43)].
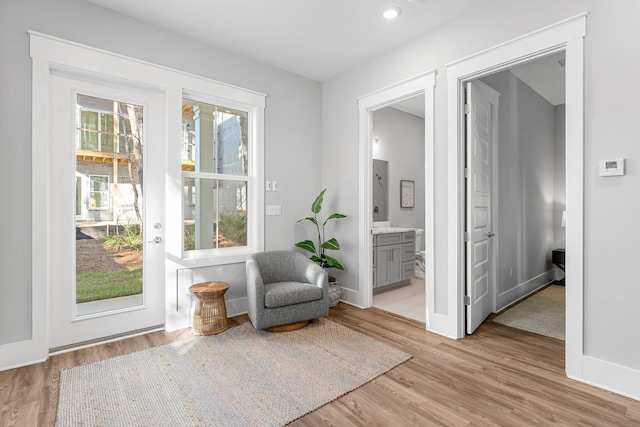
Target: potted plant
[(318, 251)]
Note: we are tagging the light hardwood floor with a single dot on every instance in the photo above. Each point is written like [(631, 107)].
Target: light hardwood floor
[(408, 301), (498, 376)]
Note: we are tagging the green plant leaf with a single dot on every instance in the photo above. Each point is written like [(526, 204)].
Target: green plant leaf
[(309, 218), (333, 216), (307, 245), (332, 263), (331, 244), (317, 203), (317, 260)]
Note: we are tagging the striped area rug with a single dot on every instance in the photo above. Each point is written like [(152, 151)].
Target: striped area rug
[(241, 377)]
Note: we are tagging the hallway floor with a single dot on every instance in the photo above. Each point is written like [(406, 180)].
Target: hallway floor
[(408, 301)]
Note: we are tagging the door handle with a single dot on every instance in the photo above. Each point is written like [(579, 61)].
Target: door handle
[(490, 234), (156, 239)]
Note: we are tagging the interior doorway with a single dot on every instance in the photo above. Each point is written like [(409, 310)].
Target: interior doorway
[(398, 147), (422, 88), (565, 36), (516, 194)]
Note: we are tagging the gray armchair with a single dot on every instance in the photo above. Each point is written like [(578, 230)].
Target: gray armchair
[(285, 287)]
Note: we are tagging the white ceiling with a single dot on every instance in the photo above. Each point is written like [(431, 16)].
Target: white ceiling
[(414, 105), (545, 76), (317, 39)]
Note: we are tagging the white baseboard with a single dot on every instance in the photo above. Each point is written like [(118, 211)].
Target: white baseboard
[(238, 306), (610, 376), (351, 297), (523, 290), (22, 353)]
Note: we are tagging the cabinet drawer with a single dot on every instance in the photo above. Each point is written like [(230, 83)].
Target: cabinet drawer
[(408, 236), (388, 239), (408, 252), (407, 270)]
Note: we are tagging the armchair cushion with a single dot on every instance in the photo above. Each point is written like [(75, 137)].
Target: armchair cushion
[(281, 294)]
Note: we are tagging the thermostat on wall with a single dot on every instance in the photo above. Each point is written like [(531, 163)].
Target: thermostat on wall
[(612, 167)]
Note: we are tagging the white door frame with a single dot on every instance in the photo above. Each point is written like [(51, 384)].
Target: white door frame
[(367, 104), (567, 35), (67, 329)]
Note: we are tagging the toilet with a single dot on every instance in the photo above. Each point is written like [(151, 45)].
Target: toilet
[(420, 254)]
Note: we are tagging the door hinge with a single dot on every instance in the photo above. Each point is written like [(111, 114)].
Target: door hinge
[(467, 109), (467, 236), (467, 300), (466, 173)]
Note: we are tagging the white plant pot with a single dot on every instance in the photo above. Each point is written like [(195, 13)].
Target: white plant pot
[(335, 292)]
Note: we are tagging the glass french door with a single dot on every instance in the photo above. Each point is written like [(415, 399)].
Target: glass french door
[(107, 192)]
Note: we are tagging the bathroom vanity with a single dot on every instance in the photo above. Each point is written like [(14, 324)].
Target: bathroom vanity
[(393, 257)]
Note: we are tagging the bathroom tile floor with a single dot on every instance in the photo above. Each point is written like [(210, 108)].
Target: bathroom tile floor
[(408, 301)]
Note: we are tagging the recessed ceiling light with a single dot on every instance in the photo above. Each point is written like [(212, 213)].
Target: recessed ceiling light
[(391, 12)]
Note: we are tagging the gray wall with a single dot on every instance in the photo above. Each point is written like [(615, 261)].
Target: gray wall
[(293, 130), (380, 180), (525, 235), (400, 138), (611, 204)]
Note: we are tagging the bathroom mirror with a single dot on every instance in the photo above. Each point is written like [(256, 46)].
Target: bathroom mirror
[(380, 190)]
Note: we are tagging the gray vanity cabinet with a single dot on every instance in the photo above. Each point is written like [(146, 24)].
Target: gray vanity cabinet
[(393, 259)]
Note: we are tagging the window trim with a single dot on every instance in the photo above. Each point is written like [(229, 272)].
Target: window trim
[(108, 207), (254, 107)]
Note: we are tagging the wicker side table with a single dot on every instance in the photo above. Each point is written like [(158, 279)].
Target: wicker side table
[(209, 311)]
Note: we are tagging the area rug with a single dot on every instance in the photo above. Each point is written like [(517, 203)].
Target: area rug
[(542, 313), (241, 377)]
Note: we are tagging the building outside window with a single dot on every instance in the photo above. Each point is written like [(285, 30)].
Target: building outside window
[(216, 181)]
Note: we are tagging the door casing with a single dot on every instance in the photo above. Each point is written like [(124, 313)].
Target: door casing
[(567, 35), (367, 104)]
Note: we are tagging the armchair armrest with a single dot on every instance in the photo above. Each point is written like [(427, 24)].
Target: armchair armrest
[(255, 284)]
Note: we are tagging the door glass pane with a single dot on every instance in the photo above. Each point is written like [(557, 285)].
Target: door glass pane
[(109, 194), (215, 213)]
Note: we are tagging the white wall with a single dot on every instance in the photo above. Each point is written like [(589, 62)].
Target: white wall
[(611, 204), (400, 138), (560, 182), (292, 117), (525, 234), (559, 172)]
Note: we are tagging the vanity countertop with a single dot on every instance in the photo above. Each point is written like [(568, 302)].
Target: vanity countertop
[(386, 230)]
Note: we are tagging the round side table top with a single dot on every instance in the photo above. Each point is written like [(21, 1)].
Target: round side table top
[(209, 288)]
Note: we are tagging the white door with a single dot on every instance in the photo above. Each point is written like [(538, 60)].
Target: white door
[(107, 197), (479, 277)]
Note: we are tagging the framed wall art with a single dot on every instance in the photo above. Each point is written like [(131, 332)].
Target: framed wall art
[(407, 193)]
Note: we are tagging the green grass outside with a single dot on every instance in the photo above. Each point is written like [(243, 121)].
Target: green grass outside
[(100, 285)]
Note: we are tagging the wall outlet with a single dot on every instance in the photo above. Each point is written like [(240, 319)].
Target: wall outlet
[(269, 186), (275, 186), (274, 209)]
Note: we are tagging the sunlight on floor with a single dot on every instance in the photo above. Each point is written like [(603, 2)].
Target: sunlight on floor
[(408, 301)]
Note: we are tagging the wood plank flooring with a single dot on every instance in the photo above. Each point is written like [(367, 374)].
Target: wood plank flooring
[(498, 376)]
